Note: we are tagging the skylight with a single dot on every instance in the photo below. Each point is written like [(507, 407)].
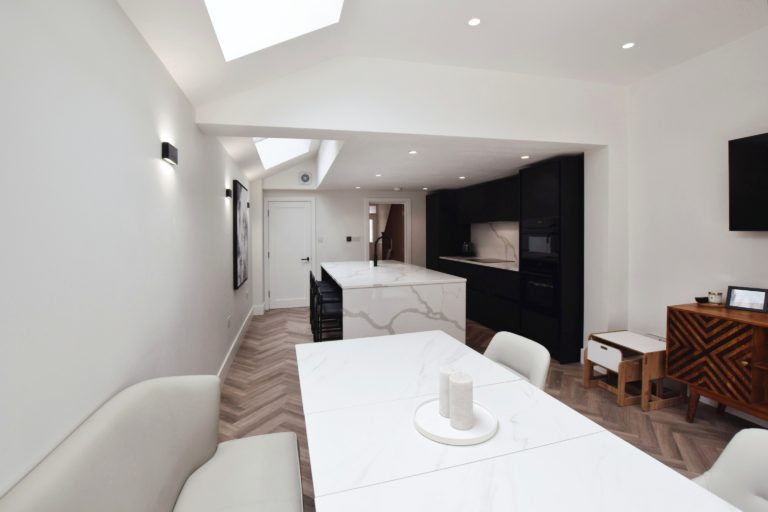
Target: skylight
[(247, 26), (274, 152)]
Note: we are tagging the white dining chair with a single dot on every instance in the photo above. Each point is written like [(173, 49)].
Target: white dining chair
[(740, 474), (520, 355)]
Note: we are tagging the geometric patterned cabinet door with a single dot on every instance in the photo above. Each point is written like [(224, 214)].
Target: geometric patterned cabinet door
[(711, 353), (721, 354)]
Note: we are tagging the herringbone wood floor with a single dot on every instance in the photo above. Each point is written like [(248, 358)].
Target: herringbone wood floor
[(261, 395)]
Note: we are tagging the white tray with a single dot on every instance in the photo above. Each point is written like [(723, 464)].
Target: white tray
[(432, 425)]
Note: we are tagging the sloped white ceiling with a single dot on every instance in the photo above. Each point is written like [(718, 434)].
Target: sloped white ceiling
[(561, 38)]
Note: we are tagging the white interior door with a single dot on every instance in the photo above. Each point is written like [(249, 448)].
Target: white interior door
[(289, 253)]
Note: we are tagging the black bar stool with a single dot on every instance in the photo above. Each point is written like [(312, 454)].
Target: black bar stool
[(325, 311)]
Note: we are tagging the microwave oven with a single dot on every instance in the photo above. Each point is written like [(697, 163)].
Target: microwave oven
[(540, 239)]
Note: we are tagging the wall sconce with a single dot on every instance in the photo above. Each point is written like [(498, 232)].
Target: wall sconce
[(170, 153), (228, 192)]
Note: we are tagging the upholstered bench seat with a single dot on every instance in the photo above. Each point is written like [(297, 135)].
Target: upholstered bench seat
[(154, 448), (250, 474)]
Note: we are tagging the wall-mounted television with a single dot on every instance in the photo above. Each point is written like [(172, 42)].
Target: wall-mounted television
[(748, 177)]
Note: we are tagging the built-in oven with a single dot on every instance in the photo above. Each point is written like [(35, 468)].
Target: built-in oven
[(540, 239), (540, 292)]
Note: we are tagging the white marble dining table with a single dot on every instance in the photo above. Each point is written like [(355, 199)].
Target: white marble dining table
[(359, 397)]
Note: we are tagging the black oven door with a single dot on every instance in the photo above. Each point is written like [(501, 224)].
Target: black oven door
[(539, 292)]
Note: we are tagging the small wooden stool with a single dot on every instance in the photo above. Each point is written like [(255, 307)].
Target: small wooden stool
[(632, 358)]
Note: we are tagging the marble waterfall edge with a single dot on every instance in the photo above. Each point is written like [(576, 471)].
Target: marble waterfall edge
[(385, 310)]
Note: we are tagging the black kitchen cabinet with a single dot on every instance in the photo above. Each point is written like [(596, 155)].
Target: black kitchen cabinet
[(552, 285), (492, 201), (540, 185), (444, 234), (492, 294), (545, 300), (543, 329)]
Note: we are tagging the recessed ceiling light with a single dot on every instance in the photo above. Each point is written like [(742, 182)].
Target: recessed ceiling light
[(378, 175), (397, 189), (413, 152), (462, 177), (357, 188), (473, 22), (247, 27), (525, 157), (425, 188), (627, 46)]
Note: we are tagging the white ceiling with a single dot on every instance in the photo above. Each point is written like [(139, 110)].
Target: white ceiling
[(577, 39), (563, 38), (438, 164)]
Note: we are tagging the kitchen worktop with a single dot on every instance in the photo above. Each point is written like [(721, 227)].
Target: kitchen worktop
[(512, 266), (362, 274), (396, 298)]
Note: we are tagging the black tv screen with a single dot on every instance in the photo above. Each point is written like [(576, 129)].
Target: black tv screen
[(748, 173)]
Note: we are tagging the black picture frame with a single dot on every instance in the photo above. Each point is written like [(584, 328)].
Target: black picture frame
[(733, 293), (240, 234)]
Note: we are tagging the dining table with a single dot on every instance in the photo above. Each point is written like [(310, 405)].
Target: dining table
[(359, 397)]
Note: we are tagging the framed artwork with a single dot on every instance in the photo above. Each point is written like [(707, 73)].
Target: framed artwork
[(749, 299), (240, 233)]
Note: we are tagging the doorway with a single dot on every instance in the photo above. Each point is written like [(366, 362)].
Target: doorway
[(390, 218), (290, 252)]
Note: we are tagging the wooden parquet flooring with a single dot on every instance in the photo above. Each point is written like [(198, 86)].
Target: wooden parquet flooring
[(261, 395), (261, 392)]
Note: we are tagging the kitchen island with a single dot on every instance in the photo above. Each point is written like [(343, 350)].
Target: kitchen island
[(396, 298)]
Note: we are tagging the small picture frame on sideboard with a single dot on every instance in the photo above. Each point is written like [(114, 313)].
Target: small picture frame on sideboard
[(748, 299)]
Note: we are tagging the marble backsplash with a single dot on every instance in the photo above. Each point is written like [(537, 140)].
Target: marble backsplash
[(496, 240)]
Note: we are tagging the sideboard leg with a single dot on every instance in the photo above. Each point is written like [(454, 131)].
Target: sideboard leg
[(693, 403)]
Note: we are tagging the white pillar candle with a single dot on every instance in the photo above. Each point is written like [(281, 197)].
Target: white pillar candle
[(445, 375), (461, 401)]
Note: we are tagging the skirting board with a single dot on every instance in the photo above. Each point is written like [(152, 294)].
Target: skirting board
[(258, 310), (235, 345)]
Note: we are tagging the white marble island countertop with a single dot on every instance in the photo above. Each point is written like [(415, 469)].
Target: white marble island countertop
[(362, 274), (512, 266)]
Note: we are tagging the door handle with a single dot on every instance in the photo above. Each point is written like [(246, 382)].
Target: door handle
[(305, 259)]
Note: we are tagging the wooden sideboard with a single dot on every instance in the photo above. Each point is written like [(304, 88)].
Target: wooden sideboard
[(721, 354)]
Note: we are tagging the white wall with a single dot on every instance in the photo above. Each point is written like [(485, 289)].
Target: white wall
[(680, 123), (115, 267), (339, 214), (256, 192), (288, 179)]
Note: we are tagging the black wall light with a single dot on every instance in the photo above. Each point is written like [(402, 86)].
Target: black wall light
[(170, 153), (228, 192)]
